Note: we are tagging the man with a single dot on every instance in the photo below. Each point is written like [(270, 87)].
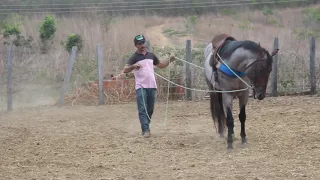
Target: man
[(142, 63)]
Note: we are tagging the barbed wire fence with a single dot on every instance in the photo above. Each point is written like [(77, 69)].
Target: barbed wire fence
[(297, 72), (294, 72), (136, 6)]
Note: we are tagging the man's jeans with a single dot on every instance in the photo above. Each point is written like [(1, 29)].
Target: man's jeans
[(147, 96)]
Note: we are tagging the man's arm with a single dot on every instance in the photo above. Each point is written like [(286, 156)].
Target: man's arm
[(162, 64), (130, 65), (128, 68)]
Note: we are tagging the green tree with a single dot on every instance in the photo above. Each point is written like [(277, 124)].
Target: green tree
[(47, 31), (12, 32), (73, 40)]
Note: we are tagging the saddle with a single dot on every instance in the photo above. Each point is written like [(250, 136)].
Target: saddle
[(218, 42)]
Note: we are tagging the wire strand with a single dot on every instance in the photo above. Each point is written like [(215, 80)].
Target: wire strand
[(161, 8), (200, 90), (126, 6), (104, 3)]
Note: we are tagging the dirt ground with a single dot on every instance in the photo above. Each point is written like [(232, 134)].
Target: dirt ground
[(104, 142)]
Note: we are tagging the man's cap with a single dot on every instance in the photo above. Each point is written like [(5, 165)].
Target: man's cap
[(139, 38)]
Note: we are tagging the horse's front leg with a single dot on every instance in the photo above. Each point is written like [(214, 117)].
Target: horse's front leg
[(242, 115), (227, 104)]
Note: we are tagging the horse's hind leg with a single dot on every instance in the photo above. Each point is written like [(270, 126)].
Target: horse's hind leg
[(242, 116), (227, 104), (220, 115), (216, 109)]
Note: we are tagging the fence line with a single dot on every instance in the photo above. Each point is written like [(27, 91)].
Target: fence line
[(274, 74), (187, 76)]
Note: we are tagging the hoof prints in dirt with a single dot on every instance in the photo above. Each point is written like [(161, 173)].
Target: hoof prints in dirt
[(106, 146), (191, 115), (13, 136)]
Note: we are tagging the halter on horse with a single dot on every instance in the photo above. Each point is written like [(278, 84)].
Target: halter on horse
[(250, 62)]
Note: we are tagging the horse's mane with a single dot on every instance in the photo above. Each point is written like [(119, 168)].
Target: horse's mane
[(247, 44), (254, 47), (232, 45)]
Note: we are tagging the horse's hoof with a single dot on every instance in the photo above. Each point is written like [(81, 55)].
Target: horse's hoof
[(230, 150), (220, 137), (243, 145), (230, 146), (243, 141)]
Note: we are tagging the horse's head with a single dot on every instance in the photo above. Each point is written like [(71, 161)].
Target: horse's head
[(259, 77)]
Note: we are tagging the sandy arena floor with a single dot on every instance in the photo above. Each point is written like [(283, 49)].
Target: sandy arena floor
[(87, 142)]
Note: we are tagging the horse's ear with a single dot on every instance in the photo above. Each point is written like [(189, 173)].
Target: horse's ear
[(274, 52)]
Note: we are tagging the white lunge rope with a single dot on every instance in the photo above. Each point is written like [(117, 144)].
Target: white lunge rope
[(169, 81), (227, 67)]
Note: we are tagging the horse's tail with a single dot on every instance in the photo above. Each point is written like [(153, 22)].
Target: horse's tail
[(217, 112)]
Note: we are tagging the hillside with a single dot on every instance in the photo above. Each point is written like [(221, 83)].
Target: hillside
[(33, 69)]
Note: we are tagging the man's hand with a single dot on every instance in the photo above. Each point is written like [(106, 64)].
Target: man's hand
[(136, 66), (128, 68), (120, 76)]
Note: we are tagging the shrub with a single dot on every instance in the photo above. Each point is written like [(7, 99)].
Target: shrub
[(313, 14), (12, 32), (47, 30), (73, 40)]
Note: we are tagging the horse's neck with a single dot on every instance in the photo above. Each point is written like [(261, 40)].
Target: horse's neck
[(241, 59)]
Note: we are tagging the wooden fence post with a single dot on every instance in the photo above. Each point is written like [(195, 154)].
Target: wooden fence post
[(68, 75), (100, 74), (313, 82), (9, 87), (274, 75), (188, 70)]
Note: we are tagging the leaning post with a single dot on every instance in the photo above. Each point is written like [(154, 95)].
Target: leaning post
[(148, 45), (9, 85), (274, 73), (313, 81), (100, 74), (68, 75), (188, 70)]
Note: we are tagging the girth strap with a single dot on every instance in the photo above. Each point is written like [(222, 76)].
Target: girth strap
[(223, 68)]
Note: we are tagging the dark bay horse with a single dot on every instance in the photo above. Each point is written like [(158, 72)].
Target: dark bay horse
[(232, 65)]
